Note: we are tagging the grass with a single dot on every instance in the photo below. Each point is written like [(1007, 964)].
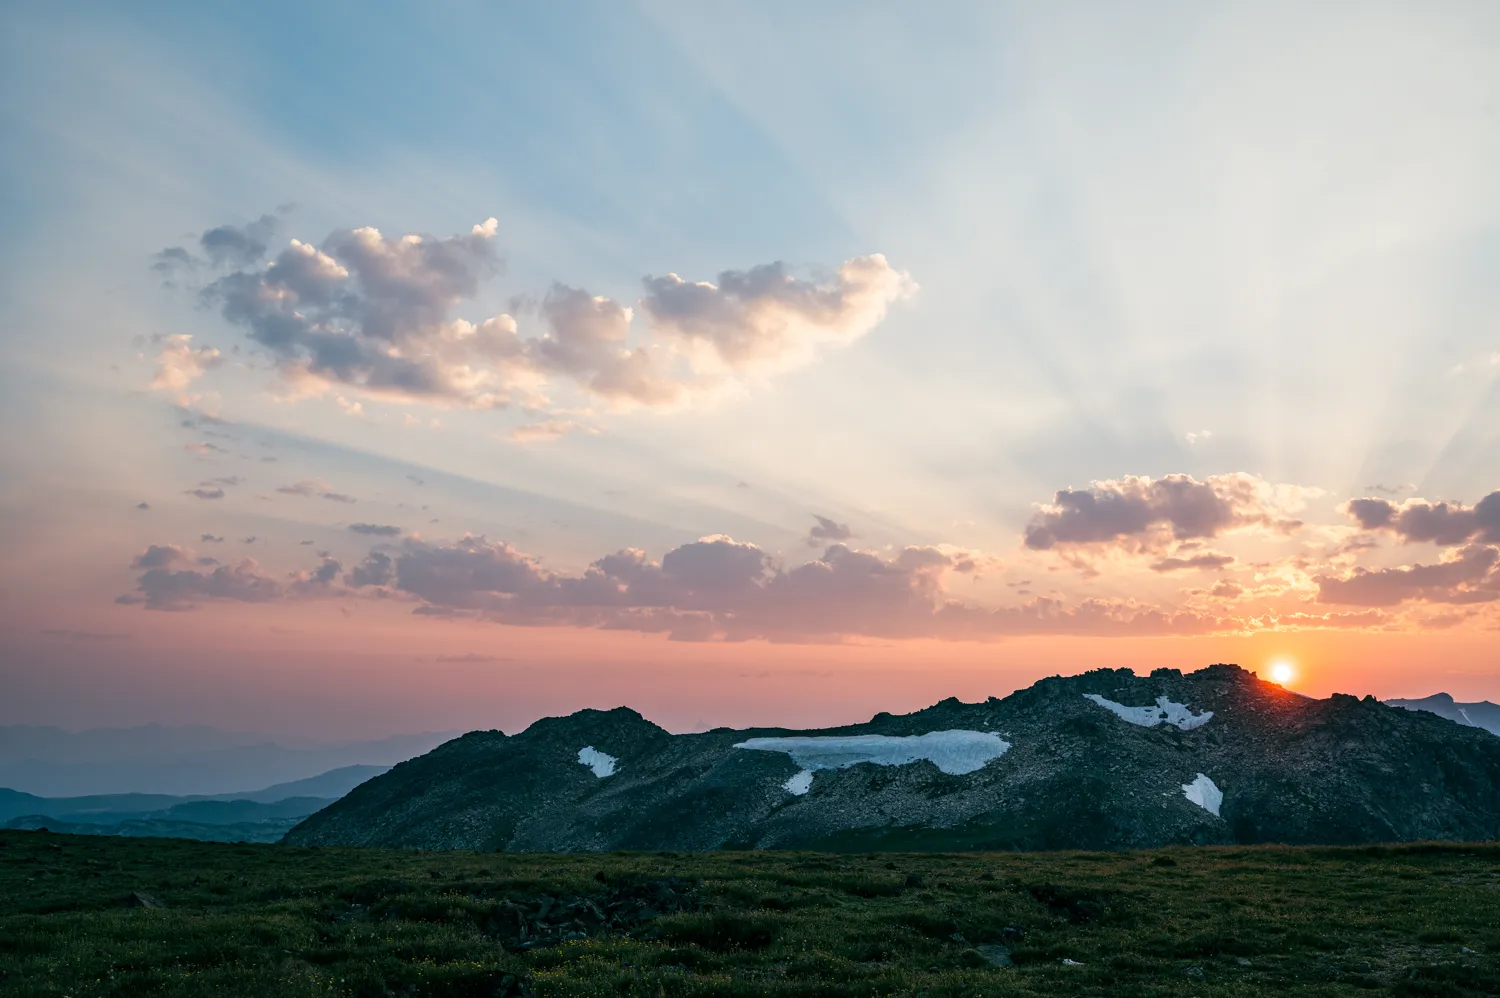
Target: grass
[(84, 916)]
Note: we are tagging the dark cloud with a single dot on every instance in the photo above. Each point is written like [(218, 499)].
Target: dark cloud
[(719, 588), (238, 246), (827, 531), (1200, 561), (375, 529), (1448, 524), (143, 505), (210, 539), (1147, 514), (160, 556), (376, 570), (1471, 576), (164, 588), (203, 493), (172, 259)]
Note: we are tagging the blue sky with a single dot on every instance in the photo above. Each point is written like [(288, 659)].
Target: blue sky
[(1186, 240)]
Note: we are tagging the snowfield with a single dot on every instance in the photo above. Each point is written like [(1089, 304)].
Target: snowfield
[(1177, 714), (1204, 793), (603, 765), (800, 783), (952, 752)]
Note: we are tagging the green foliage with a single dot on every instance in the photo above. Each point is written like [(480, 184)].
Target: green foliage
[(90, 916)]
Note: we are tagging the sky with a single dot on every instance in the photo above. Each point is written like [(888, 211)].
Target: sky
[(371, 368)]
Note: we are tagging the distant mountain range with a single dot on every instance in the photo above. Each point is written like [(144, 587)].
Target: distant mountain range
[(1103, 760), (257, 816), (1483, 714), (156, 759)]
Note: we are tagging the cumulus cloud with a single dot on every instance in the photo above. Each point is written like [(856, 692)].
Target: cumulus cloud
[(364, 311), (180, 364), (1148, 514), (765, 318), (586, 341), (375, 529), (163, 585), (1468, 575), (714, 588), (1448, 524), (827, 531), (720, 588)]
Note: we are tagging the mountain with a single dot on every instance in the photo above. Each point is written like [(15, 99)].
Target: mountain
[(255, 816), (333, 784), (1483, 714), (1104, 760), (155, 759)]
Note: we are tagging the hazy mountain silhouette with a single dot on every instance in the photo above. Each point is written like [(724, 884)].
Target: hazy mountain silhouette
[(193, 760), (1483, 714)]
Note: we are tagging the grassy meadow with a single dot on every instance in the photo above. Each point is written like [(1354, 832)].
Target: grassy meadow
[(84, 916)]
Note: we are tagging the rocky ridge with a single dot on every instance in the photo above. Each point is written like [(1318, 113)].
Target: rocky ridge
[(1102, 760)]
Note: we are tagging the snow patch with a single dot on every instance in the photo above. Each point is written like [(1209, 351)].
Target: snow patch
[(800, 783), (1203, 793), (603, 765), (953, 752), (1177, 714)]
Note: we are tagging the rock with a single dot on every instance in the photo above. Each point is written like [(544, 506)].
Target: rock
[(140, 900), (987, 955), (1095, 761)]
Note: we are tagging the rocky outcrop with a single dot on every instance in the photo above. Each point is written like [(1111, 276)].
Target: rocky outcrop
[(1103, 760)]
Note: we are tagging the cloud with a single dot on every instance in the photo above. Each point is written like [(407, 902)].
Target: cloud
[(363, 311), (714, 588), (143, 505), (1442, 523), (210, 539), (180, 364), (163, 586), (1146, 514), (472, 656), (375, 529), (238, 246), (764, 319), (547, 430), (205, 493), (1200, 561), (586, 341), (1468, 575), (310, 487), (719, 588), (827, 531)]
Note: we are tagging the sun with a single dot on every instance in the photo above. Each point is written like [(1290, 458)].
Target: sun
[(1282, 671)]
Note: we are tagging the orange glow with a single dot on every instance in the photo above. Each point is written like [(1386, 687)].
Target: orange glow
[(1282, 671)]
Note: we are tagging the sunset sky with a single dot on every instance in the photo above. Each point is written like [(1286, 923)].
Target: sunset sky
[(369, 368)]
